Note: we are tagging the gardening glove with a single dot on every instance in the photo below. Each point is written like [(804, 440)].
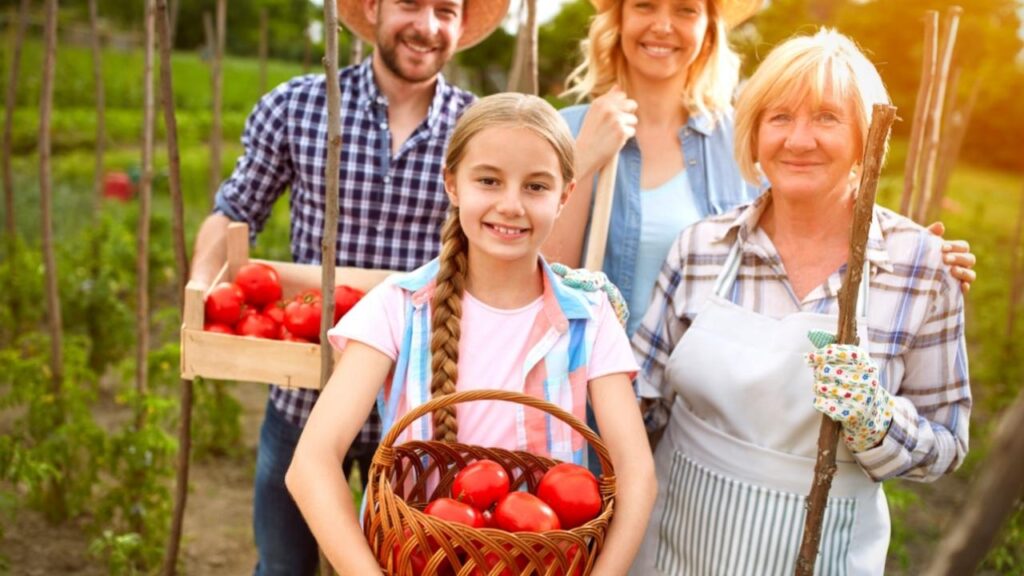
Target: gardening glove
[(846, 390), (583, 279)]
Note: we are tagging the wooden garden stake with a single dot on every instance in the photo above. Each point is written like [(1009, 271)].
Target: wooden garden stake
[(933, 130), (958, 117), (523, 77), (825, 468), (162, 26), (990, 500), (329, 241), (601, 217), (217, 79), (921, 105), (10, 102), (97, 74), (145, 197)]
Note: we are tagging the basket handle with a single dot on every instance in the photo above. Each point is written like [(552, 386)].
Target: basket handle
[(442, 402)]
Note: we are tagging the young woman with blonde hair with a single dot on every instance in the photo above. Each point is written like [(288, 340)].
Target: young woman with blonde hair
[(498, 317)]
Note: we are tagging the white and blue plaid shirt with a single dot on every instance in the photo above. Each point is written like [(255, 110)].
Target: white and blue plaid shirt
[(391, 205)]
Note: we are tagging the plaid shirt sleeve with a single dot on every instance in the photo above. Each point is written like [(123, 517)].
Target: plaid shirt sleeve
[(929, 433), (264, 171)]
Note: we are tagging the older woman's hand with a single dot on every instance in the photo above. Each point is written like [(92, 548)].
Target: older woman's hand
[(957, 255), (610, 121), (846, 390)]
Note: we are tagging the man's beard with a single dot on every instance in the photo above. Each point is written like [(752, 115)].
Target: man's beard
[(388, 49)]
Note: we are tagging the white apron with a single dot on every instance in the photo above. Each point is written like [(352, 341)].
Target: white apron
[(736, 462)]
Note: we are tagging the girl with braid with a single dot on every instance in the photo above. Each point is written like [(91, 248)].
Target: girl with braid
[(487, 313)]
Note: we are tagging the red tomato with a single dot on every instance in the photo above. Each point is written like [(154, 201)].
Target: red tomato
[(572, 492), (275, 310), (489, 519), (524, 512), (224, 304), (259, 325), (289, 337), (480, 484), (302, 316), (219, 328), (345, 297), (259, 283), (570, 557), (455, 511)]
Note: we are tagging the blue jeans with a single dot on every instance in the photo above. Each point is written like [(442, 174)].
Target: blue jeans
[(284, 542)]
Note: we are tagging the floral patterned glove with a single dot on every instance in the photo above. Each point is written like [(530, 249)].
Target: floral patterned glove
[(846, 390), (583, 279)]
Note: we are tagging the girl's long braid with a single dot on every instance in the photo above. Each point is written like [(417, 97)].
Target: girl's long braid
[(446, 311)]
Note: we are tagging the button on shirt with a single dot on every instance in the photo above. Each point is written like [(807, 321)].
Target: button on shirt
[(391, 206)]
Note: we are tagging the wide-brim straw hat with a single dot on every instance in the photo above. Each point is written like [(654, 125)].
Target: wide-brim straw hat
[(479, 19), (734, 12)]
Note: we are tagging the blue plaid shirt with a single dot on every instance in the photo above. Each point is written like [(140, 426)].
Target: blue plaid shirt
[(391, 205)]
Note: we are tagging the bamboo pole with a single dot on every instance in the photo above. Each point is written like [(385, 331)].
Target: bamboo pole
[(162, 25), (264, 33), (825, 467), (990, 501), (56, 504), (934, 130), (101, 112), (523, 77), (145, 197), (10, 103), (217, 80), (921, 105)]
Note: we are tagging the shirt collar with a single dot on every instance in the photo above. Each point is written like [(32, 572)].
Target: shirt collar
[(747, 219), (701, 122), (370, 94), (561, 303)]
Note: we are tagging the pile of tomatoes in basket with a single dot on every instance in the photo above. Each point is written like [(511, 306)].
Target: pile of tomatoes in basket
[(251, 305), (567, 496)]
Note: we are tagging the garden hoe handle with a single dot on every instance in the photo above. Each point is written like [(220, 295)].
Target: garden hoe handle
[(601, 216), (828, 438)]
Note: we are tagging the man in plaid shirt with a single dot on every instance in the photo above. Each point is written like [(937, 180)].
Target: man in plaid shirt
[(397, 113)]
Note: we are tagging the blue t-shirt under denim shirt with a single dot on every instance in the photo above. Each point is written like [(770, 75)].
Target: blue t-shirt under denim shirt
[(714, 179)]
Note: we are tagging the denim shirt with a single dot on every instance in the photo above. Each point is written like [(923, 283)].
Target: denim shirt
[(714, 177)]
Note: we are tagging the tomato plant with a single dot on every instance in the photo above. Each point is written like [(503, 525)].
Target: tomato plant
[(224, 304), (302, 316), (259, 282), (524, 512), (480, 484), (572, 492)]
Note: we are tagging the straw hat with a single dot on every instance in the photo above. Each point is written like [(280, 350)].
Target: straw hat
[(480, 18), (734, 12)]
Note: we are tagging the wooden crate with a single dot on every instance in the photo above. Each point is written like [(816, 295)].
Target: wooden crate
[(247, 359)]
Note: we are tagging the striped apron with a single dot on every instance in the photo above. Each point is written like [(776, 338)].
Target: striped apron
[(736, 461)]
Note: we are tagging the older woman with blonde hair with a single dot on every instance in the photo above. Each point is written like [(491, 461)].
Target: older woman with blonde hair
[(725, 350)]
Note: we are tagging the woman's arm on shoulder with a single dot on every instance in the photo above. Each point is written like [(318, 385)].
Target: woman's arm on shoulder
[(622, 430), (315, 479)]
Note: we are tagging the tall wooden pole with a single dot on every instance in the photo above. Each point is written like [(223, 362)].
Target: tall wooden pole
[(936, 106), (264, 41), (957, 120), (101, 112), (181, 260), (10, 103), (216, 72), (882, 117), (921, 106), (990, 501), (523, 77), (145, 197)]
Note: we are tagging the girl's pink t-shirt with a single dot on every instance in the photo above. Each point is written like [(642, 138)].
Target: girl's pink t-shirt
[(488, 348)]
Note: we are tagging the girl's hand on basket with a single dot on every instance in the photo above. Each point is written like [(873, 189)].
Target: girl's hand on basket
[(957, 255), (610, 121), (588, 281), (846, 390)]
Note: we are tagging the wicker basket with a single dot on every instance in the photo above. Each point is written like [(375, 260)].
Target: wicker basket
[(401, 477)]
